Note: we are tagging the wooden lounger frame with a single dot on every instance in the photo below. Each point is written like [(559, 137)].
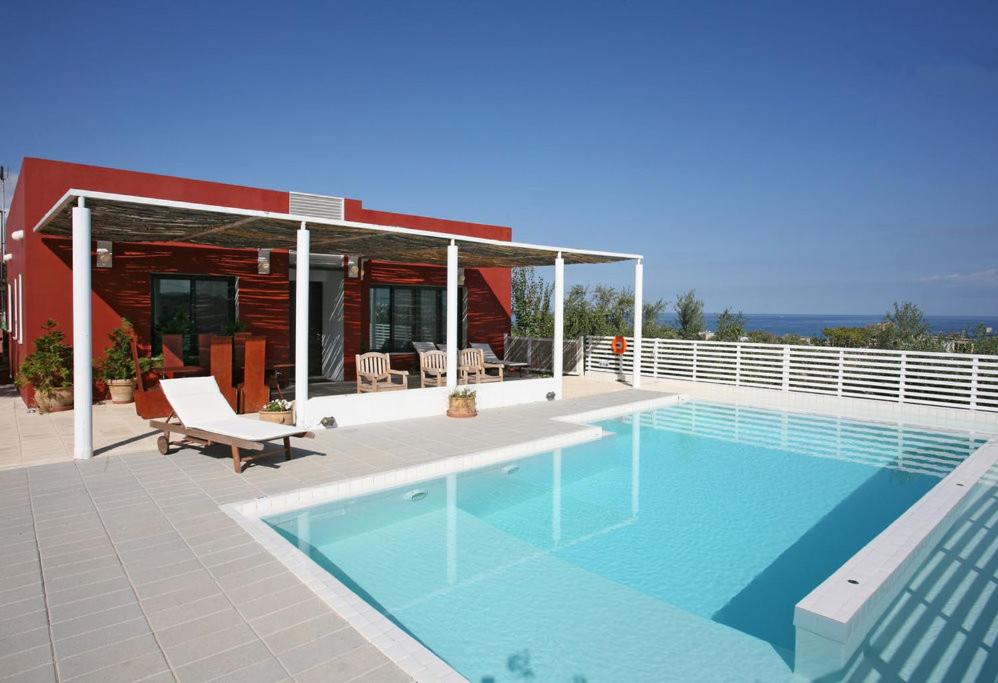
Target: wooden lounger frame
[(200, 437)]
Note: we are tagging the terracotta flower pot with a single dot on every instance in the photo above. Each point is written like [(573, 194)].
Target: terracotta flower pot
[(122, 390), (55, 400), (284, 417), (461, 406)]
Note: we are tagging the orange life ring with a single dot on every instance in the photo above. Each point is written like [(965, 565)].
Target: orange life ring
[(619, 345)]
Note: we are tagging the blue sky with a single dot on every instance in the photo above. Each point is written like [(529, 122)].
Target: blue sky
[(777, 157)]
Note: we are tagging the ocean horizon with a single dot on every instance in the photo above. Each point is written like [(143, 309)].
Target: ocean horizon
[(811, 324)]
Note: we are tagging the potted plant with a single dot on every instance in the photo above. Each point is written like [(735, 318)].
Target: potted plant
[(117, 367), (461, 403), (279, 411), (49, 371)]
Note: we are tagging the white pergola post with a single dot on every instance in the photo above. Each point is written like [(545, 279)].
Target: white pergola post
[(638, 311), (558, 361), (452, 316), (301, 324), (83, 399)]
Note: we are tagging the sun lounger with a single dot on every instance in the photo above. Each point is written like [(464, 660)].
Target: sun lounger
[(491, 357), (205, 417)]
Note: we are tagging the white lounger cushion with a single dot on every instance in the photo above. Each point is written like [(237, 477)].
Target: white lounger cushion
[(199, 404)]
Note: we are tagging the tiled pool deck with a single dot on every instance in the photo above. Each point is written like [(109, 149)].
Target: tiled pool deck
[(123, 568)]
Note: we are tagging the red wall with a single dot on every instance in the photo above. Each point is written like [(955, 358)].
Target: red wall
[(489, 289), (125, 289), (46, 262)]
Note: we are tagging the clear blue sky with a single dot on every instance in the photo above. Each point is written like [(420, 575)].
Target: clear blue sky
[(777, 157)]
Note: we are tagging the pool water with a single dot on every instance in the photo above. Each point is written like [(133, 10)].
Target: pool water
[(673, 549)]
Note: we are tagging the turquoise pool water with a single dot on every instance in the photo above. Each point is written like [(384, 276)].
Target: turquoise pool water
[(673, 549)]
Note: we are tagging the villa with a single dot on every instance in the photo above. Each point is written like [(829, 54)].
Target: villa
[(683, 510)]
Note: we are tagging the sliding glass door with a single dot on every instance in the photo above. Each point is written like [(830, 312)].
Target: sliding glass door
[(190, 305)]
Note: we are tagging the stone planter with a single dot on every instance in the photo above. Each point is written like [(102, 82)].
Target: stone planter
[(284, 417), (461, 406), (54, 401), (122, 390)]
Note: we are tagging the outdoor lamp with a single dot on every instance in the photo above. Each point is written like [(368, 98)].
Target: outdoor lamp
[(105, 254), (17, 235), (7, 257), (460, 277), (263, 261)]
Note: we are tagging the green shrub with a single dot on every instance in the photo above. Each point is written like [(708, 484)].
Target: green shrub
[(117, 362), (50, 365)]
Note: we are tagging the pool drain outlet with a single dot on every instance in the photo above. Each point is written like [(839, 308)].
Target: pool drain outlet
[(416, 495)]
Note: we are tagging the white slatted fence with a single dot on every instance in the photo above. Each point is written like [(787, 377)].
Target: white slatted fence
[(914, 377)]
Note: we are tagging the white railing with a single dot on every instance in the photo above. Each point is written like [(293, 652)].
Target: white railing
[(913, 377), (536, 352)]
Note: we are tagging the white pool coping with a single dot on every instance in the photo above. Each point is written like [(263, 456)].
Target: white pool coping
[(405, 651), (831, 621)]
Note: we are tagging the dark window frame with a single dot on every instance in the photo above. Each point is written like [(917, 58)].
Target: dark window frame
[(440, 306), (190, 341)]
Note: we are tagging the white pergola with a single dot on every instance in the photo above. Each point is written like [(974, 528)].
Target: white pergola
[(87, 215)]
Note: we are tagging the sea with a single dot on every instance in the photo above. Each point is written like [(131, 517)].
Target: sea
[(811, 325)]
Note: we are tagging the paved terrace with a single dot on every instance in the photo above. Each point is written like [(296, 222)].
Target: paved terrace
[(122, 568)]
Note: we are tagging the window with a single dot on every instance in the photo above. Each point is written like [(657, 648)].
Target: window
[(401, 315), (191, 304)]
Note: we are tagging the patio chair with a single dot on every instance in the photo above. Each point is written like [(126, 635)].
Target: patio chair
[(423, 347), (374, 373), (204, 417), (442, 347), (149, 398), (472, 368), (254, 392), (432, 369), (221, 369), (491, 357)]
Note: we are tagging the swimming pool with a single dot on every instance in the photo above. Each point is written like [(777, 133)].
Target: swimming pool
[(675, 548)]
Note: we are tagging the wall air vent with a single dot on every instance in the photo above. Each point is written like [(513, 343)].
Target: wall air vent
[(316, 205)]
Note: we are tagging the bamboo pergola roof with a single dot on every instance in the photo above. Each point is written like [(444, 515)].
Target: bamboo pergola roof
[(127, 218)]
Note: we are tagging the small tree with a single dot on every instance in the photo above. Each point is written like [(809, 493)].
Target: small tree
[(730, 326), (849, 337), (117, 362), (905, 327), (689, 315), (50, 366), (531, 299)]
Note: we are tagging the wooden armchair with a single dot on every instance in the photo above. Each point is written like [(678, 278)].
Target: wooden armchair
[(432, 369), (472, 368), (374, 373)]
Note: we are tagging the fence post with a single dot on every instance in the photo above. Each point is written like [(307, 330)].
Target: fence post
[(694, 361), (842, 361), (786, 368), (738, 364), (973, 384), (530, 347), (901, 378)]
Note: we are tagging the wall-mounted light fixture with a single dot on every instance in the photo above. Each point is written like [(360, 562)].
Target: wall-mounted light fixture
[(355, 266), (105, 254), (460, 277), (263, 261), (7, 257), (17, 235)]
